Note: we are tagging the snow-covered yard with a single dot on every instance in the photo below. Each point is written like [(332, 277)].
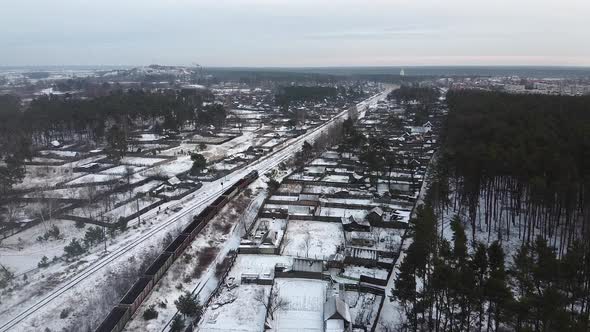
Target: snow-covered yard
[(313, 239), (305, 308)]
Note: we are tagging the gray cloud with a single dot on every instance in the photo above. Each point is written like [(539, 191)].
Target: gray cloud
[(295, 32)]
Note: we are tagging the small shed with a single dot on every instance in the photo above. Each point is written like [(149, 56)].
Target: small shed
[(307, 265), (351, 224), (336, 315), (375, 215)]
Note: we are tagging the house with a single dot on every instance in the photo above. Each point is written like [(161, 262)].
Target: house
[(55, 144), (336, 315), (173, 181), (351, 224), (354, 177), (375, 215)]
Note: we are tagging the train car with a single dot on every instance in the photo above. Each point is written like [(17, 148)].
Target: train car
[(177, 246), (116, 320), (207, 213), (232, 191), (121, 313), (248, 179), (194, 227), (138, 292), (219, 203), (159, 266)]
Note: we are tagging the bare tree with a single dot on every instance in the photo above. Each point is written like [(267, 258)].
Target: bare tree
[(286, 241), (273, 303), (128, 173), (307, 243), (88, 195)]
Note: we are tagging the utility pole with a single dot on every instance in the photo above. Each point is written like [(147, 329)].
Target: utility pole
[(137, 205)]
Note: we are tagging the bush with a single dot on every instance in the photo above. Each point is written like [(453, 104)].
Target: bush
[(43, 263), (177, 324), (80, 224), (93, 236), (65, 313), (150, 313), (74, 249), (273, 185)]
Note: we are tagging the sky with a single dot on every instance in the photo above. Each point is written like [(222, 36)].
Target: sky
[(295, 33)]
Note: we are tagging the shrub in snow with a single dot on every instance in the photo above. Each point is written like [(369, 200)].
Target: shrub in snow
[(44, 262), (150, 313), (65, 313), (177, 324), (74, 248)]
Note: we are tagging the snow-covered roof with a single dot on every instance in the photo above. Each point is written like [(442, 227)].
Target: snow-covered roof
[(335, 308), (377, 210), (307, 265), (173, 181)]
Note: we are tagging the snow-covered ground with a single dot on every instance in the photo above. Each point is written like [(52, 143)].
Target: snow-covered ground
[(305, 305), (313, 239), (81, 285)]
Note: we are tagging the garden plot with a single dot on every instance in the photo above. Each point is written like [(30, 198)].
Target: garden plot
[(351, 201), (324, 162), (140, 161), (331, 155), (388, 239), (273, 142), (336, 178), (148, 137), (290, 188), (355, 272), (130, 207), (122, 170), (284, 198), (46, 176), (257, 264), (313, 239), (341, 212), (208, 139), (305, 308), (364, 307), (323, 189), (242, 313), (60, 153), (303, 177), (93, 178), (183, 148), (225, 166), (170, 169), (67, 193), (46, 160)]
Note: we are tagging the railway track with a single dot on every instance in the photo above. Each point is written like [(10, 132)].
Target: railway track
[(208, 193)]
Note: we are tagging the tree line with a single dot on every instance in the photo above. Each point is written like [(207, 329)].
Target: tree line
[(518, 164), (453, 285)]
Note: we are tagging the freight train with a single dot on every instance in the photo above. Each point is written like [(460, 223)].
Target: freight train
[(122, 312)]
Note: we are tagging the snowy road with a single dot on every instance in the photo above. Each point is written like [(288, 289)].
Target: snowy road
[(13, 318)]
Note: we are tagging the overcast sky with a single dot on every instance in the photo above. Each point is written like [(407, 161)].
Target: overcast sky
[(295, 32)]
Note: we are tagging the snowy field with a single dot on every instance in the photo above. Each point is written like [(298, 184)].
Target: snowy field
[(305, 309), (364, 307), (242, 314), (93, 178), (140, 161), (324, 238)]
